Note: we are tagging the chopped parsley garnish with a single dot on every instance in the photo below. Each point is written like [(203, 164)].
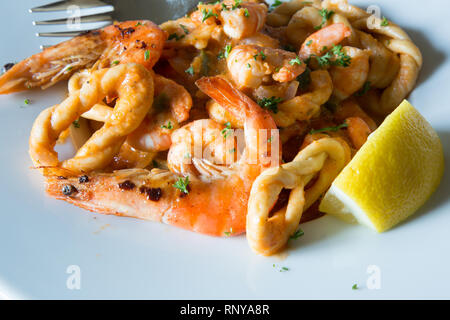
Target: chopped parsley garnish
[(225, 52), (325, 16), (282, 269), (364, 89), (246, 13), (304, 80), (138, 24), (115, 62), (182, 184), (261, 54), (330, 129), (270, 104), (205, 63), (229, 233), (169, 126), (384, 22), (355, 287), (208, 14), (309, 43), (185, 29), (26, 101), (146, 55), (295, 61), (276, 3), (249, 65), (297, 234), (335, 57), (190, 71), (175, 36), (227, 130), (237, 4), (76, 124)]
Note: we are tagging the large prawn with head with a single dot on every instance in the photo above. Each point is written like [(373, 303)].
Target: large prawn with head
[(139, 41), (213, 205)]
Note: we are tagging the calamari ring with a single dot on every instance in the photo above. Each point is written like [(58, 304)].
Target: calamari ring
[(268, 234), (131, 83)]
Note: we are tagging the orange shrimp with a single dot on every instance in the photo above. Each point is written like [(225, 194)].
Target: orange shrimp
[(154, 133), (243, 21), (215, 206), (325, 38), (250, 64), (358, 131), (139, 41)]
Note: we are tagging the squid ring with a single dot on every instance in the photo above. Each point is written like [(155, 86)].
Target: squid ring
[(268, 234), (131, 83)]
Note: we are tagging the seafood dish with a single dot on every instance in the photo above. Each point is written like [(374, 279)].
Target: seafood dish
[(233, 119)]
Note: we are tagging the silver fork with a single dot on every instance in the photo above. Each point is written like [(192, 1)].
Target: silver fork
[(102, 11)]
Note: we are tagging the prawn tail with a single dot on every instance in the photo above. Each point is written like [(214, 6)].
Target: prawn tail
[(224, 93)]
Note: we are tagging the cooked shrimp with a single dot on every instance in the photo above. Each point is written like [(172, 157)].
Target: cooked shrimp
[(285, 91), (249, 65), (138, 41), (154, 134), (325, 38), (358, 131), (348, 80), (350, 108), (262, 40), (215, 206), (221, 115), (243, 21), (187, 31), (200, 140)]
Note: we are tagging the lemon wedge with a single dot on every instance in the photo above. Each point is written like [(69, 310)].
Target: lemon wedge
[(391, 176)]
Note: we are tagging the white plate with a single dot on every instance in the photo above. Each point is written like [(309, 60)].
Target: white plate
[(126, 258)]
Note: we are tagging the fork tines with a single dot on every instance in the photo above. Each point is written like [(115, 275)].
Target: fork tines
[(98, 12), (67, 4)]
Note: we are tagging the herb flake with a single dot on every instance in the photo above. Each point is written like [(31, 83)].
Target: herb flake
[(270, 104), (208, 14), (330, 129), (325, 16), (182, 184)]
